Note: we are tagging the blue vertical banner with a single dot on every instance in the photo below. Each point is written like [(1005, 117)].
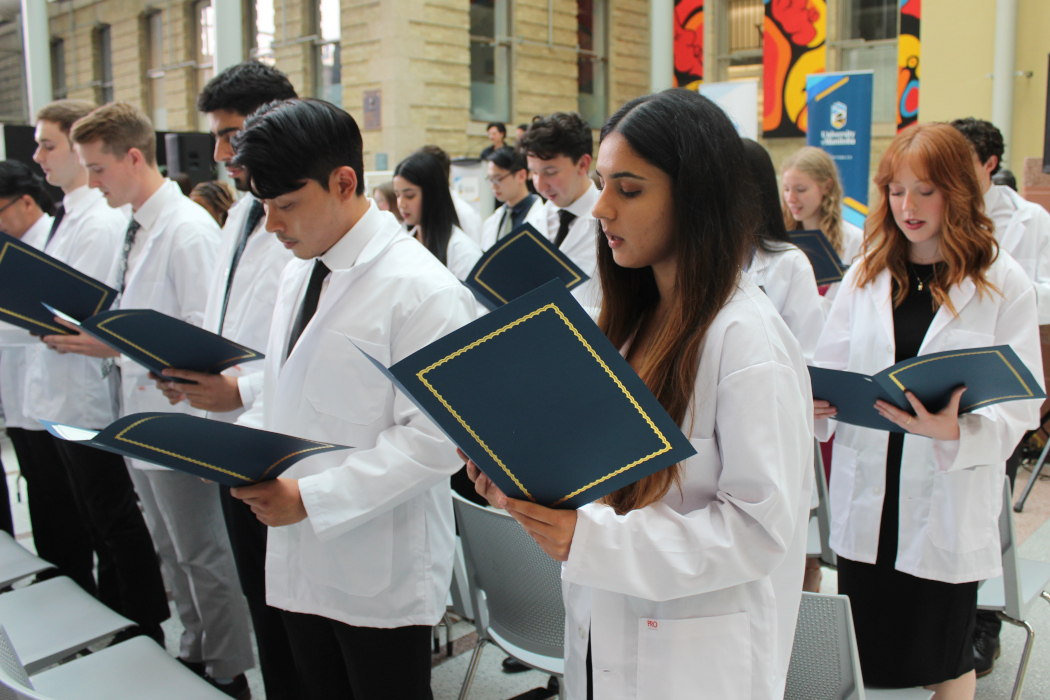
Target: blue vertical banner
[(839, 107)]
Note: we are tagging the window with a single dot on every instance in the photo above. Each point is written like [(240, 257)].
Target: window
[(204, 31), (158, 111), (328, 70), (746, 20), (58, 69), (869, 42), (263, 38), (591, 61), (103, 65), (489, 60)]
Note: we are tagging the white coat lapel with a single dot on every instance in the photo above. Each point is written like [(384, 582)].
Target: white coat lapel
[(960, 296), (882, 296)]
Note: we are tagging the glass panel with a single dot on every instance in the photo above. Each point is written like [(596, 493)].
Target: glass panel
[(870, 20), (105, 67), (158, 111), (329, 20), (205, 16), (746, 18), (330, 86), (58, 69), (264, 31), (483, 99), (590, 62), (881, 58)]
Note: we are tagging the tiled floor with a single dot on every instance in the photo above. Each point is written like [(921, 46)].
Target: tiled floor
[(491, 683)]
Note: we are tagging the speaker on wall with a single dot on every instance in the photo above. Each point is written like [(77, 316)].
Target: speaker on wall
[(191, 154)]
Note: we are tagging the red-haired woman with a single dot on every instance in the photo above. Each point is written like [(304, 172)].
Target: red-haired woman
[(914, 515), (688, 582)]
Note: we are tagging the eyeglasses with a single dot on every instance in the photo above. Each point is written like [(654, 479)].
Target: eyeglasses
[(9, 204), (492, 180)]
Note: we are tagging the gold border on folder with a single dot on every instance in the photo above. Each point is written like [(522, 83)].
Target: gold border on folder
[(554, 308), (477, 276), (920, 361)]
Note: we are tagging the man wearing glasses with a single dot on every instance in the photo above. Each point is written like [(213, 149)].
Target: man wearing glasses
[(509, 177)]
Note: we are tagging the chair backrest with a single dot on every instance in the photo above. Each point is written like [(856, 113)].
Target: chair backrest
[(460, 591), (1012, 594), (521, 585), (824, 660), (14, 683), (827, 555)]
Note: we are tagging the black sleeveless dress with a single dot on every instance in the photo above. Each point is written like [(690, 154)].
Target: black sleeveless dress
[(910, 631)]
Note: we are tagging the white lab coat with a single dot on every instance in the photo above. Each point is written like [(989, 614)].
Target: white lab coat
[(13, 357), (697, 596), (469, 218), (536, 216), (252, 297), (376, 547), (70, 388), (950, 492), (852, 242), (581, 244), (1023, 230), (461, 253), (170, 274), (787, 278)]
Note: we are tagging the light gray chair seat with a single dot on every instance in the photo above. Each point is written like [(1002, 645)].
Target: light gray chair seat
[(51, 620), (17, 562)]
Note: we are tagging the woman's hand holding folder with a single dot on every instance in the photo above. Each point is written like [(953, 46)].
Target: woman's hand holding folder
[(943, 425)]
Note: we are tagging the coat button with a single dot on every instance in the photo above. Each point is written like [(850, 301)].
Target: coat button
[(889, 348), (583, 633)]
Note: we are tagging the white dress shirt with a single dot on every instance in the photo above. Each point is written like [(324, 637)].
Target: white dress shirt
[(252, 296), (580, 245), (1023, 230), (537, 216), (376, 547), (168, 271), (13, 359), (70, 388)]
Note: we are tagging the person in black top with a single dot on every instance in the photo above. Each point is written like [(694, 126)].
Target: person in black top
[(497, 132)]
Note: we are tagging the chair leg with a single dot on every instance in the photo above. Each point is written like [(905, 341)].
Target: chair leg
[(1022, 669), (447, 620), (1019, 505), (475, 659)]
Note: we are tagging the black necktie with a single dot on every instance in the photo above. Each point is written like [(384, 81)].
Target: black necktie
[(59, 213), (255, 214), (309, 306), (565, 218)]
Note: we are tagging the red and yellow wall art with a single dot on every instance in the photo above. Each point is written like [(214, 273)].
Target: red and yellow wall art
[(793, 47), (688, 43), (908, 46)]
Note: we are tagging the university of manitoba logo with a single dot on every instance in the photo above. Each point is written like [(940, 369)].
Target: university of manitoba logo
[(838, 115)]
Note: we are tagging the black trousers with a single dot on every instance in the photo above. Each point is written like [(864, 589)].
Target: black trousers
[(60, 531), (988, 623), (7, 523), (336, 660), (129, 571), (248, 541)]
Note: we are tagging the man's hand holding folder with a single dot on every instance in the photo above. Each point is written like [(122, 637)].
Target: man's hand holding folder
[(217, 393), (77, 342)]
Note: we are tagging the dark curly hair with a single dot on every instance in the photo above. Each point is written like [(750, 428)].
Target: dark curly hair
[(985, 139), (560, 134), (244, 88)]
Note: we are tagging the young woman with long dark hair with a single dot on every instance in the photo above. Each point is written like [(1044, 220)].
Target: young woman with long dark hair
[(427, 211), (690, 578), (914, 515)]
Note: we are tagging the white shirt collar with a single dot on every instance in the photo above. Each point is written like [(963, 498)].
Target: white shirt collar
[(80, 198), (347, 249), (585, 202), (147, 214), (37, 233)]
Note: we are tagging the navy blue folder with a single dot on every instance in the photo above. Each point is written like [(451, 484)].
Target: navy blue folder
[(991, 375), (229, 454), (29, 277), (828, 268), (158, 341), (518, 263), (542, 402)]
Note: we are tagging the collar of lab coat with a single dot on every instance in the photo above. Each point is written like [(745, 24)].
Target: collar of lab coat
[(584, 204), (79, 199), (349, 249), (960, 295), (150, 210)]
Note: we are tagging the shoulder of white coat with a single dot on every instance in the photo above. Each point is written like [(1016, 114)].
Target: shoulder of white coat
[(191, 220), (748, 331), (1008, 275)]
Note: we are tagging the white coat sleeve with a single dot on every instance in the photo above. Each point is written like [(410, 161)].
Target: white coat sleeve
[(832, 349), (743, 533), (409, 457), (803, 308), (989, 435), (250, 387), (1039, 268)]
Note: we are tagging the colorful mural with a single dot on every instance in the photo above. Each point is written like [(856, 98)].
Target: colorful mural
[(793, 47), (688, 43), (908, 46)]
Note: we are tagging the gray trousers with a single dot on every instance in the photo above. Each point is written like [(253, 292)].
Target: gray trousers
[(184, 517)]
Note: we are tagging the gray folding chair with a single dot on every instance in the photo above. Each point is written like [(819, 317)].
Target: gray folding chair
[(1012, 595), (17, 562), (54, 619), (137, 668), (515, 590), (824, 660), (820, 524)]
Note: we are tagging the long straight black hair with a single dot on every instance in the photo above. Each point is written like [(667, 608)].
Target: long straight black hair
[(772, 235), (438, 215), (691, 139)]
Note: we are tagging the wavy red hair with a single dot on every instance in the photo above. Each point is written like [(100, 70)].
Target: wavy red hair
[(940, 155)]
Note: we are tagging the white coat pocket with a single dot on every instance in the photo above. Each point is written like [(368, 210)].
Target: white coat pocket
[(840, 488), (964, 510), (355, 391), (358, 562), (702, 657)]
